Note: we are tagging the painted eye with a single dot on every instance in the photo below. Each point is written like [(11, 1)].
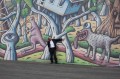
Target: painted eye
[(10, 37)]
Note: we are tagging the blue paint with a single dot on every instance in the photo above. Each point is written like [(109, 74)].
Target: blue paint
[(68, 6)]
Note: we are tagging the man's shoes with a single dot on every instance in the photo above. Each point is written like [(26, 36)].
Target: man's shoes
[(51, 63), (56, 62)]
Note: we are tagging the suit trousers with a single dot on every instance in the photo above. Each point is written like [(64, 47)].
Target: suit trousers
[(53, 55)]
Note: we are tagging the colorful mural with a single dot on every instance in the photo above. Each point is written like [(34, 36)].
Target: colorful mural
[(90, 29)]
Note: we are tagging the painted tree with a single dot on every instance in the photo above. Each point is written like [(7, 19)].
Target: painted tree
[(44, 21), (87, 4), (105, 9), (67, 22), (7, 9), (24, 14), (13, 7), (111, 25), (84, 8), (48, 29), (19, 30), (77, 22), (11, 38), (97, 18), (55, 34), (58, 21), (3, 24), (66, 43), (39, 18)]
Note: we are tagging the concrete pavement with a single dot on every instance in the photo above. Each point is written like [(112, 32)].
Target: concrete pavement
[(35, 70)]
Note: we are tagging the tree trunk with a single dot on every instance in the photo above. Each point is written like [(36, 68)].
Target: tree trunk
[(77, 22), (10, 53), (39, 19), (19, 30), (97, 18), (25, 38), (104, 10), (44, 21), (111, 25), (9, 21), (59, 23), (69, 51), (86, 16), (48, 30), (10, 38), (64, 19)]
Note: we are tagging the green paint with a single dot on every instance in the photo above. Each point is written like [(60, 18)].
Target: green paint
[(29, 3), (60, 55), (112, 1), (24, 12), (18, 1), (22, 45), (92, 9), (69, 29), (94, 1), (3, 46)]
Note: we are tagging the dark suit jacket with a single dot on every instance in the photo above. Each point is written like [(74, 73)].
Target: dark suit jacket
[(54, 41)]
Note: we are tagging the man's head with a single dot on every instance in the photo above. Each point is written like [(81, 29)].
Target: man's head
[(49, 39)]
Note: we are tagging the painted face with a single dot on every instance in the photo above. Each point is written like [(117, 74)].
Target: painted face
[(82, 35), (116, 16), (49, 39)]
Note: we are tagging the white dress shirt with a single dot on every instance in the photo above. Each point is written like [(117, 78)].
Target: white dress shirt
[(52, 44)]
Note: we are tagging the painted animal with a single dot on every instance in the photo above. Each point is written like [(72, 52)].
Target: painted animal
[(95, 41), (36, 36)]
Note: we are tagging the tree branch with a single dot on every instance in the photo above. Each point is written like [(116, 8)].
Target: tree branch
[(3, 31), (74, 18), (8, 16)]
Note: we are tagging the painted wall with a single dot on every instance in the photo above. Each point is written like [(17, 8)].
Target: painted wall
[(91, 35)]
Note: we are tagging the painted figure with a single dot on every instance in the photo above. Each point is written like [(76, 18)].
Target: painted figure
[(96, 41), (35, 36)]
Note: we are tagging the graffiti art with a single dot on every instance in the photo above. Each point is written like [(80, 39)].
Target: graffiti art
[(90, 29)]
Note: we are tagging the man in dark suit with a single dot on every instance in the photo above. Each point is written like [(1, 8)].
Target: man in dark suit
[(52, 48)]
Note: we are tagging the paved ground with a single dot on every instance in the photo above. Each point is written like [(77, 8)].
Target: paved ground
[(32, 70)]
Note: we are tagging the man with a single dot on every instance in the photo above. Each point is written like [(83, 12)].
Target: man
[(52, 49)]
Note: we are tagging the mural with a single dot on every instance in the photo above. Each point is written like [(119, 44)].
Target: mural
[(90, 29)]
